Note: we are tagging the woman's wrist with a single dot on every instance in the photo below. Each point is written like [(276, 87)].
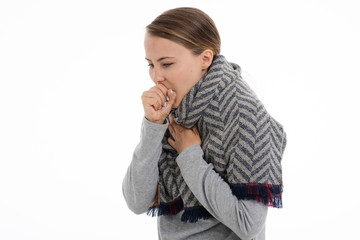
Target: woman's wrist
[(156, 121)]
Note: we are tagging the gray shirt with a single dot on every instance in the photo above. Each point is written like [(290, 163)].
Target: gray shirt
[(233, 218)]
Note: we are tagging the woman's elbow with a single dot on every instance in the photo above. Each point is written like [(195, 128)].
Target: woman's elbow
[(134, 206), (253, 232), (137, 209), (252, 224)]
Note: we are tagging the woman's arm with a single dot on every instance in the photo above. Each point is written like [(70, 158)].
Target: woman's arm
[(140, 182), (246, 218)]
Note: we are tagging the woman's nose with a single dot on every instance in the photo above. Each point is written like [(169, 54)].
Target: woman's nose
[(158, 76)]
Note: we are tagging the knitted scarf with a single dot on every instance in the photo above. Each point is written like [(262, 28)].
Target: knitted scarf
[(239, 138)]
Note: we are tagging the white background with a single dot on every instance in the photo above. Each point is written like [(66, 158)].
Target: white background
[(71, 77)]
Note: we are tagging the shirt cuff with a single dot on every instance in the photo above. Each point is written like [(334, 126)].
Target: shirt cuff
[(153, 130)]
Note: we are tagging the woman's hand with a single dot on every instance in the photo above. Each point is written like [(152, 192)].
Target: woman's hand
[(157, 103), (184, 137)]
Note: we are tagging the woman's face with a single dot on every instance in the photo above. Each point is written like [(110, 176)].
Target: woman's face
[(173, 65)]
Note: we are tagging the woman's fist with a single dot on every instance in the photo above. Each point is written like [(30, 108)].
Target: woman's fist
[(157, 103)]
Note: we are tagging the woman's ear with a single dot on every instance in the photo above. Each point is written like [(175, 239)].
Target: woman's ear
[(206, 59)]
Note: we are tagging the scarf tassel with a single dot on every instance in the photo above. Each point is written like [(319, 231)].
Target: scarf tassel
[(166, 209), (192, 214), (268, 194)]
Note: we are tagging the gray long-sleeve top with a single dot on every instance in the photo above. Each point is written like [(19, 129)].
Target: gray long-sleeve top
[(233, 218)]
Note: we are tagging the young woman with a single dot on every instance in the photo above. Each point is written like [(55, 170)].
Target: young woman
[(209, 159)]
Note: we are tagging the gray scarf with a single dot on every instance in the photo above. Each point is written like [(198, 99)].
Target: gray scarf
[(239, 137)]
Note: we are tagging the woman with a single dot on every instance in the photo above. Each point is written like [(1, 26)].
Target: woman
[(208, 162)]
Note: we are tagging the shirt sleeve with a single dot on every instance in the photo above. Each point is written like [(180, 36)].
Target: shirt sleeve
[(139, 185), (246, 218)]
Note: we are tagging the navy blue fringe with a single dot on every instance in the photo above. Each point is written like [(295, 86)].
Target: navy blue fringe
[(192, 214), (268, 194), (166, 209)]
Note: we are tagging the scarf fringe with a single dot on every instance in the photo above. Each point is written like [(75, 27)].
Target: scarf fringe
[(268, 194), (166, 209), (192, 214)]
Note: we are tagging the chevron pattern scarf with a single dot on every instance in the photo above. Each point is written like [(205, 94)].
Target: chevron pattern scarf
[(239, 137)]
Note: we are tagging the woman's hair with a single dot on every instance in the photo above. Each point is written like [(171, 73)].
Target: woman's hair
[(189, 27)]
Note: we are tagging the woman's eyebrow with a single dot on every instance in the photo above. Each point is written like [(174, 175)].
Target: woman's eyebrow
[(160, 59)]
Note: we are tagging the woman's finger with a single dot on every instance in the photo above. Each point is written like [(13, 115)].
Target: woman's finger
[(161, 98), (172, 143), (151, 98), (171, 119), (161, 94), (171, 96), (172, 130), (162, 88), (170, 100)]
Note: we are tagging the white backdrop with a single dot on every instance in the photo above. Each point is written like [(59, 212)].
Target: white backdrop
[(71, 76)]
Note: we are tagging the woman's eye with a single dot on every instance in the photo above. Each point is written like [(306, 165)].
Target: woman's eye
[(167, 64), (164, 65)]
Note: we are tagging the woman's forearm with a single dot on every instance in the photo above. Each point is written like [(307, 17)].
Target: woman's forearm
[(140, 182), (246, 218)]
